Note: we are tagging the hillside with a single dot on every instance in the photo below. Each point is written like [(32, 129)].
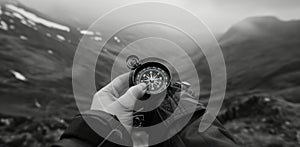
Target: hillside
[(35, 53), (262, 58), (263, 52)]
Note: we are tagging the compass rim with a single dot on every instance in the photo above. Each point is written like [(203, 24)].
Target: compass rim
[(157, 65)]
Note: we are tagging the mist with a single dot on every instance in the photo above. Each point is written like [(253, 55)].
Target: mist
[(218, 15)]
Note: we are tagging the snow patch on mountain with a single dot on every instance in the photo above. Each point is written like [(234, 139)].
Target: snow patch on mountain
[(18, 15), (94, 35), (18, 75), (3, 25), (48, 34), (32, 18), (97, 38), (117, 39), (50, 51), (23, 37), (86, 32), (60, 37)]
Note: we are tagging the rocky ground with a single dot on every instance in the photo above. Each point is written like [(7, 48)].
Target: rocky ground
[(263, 120), (29, 131), (258, 120)]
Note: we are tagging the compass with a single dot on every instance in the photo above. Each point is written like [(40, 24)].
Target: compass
[(150, 71), (160, 77)]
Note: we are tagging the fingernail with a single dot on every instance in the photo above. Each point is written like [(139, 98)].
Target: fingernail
[(143, 85)]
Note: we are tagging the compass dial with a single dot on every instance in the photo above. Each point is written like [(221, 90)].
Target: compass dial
[(156, 79)]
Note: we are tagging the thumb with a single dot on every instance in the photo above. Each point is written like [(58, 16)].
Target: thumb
[(132, 95)]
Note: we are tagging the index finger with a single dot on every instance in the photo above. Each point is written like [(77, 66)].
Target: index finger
[(118, 85)]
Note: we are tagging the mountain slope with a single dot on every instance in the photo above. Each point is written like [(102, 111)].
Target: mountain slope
[(36, 56), (262, 59), (36, 59), (260, 50)]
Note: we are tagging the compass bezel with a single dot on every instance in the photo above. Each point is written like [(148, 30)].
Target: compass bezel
[(152, 64)]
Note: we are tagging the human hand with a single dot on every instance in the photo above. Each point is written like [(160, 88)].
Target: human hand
[(111, 100)]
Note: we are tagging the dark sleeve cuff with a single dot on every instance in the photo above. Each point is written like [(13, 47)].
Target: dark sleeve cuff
[(71, 143), (94, 127)]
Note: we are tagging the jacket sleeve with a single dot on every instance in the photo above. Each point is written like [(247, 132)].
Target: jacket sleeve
[(81, 134), (215, 136)]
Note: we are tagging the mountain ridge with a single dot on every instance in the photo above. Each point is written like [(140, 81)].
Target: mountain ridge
[(264, 26)]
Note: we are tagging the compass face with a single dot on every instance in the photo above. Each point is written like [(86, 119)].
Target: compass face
[(156, 79)]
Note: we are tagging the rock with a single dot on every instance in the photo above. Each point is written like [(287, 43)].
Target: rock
[(298, 136), (30, 132), (262, 121)]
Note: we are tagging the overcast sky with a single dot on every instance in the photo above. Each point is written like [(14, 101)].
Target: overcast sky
[(219, 15)]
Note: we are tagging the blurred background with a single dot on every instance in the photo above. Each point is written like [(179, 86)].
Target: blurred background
[(260, 40)]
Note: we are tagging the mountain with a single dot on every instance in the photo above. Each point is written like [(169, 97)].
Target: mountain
[(261, 27), (35, 53), (263, 52), (262, 60), (36, 60), (40, 51), (36, 56)]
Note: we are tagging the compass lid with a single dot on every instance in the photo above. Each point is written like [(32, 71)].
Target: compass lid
[(132, 61)]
